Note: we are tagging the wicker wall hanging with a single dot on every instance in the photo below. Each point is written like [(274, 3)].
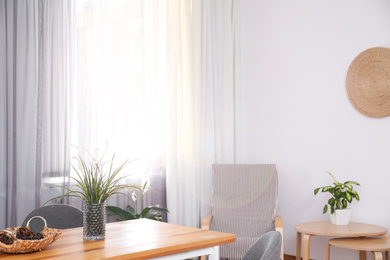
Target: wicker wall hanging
[(368, 82)]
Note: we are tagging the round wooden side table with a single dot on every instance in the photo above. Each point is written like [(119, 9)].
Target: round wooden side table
[(326, 228), (376, 245)]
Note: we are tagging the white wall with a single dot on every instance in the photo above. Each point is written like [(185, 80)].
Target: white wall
[(295, 111)]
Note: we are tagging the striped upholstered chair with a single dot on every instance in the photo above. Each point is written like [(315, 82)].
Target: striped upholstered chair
[(243, 202)]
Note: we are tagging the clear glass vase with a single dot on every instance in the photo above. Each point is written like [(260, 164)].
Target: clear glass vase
[(94, 222)]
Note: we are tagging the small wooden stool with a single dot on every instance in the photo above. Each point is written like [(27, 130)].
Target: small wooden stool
[(376, 245)]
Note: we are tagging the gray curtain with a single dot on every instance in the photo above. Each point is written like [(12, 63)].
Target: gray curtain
[(35, 79)]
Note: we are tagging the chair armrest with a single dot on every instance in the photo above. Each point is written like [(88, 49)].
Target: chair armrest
[(207, 221), (279, 227), (278, 224)]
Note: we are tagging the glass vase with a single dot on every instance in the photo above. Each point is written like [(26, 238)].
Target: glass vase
[(94, 221)]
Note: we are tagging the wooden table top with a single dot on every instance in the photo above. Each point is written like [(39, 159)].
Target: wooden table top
[(133, 239), (353, 229), (362, 243)]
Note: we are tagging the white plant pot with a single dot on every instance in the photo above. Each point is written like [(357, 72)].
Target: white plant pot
[(340, 216)]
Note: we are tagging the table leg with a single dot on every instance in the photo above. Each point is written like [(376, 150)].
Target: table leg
[(214, 254), (306, 247), (378, 255), (362, 255), (387, 252), (299, 244), (328, 252)]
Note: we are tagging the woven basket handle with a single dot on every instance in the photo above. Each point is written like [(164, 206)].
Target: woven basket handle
[(44, 221), (9, 232)]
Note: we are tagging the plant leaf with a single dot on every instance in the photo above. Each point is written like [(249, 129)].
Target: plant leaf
[(158, 208), (352, 192), (119, 213), (325, 209), (316, 191), (352, 182), (333, 177), (155, 214), (348, 196), (130, 209), (349, 186), (145, 212), (345, 204)]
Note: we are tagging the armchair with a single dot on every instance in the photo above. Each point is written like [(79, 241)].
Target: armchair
[(243, 202)]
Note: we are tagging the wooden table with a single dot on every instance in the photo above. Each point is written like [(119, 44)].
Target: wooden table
[(326, 228), (376, 245), (134, 239)]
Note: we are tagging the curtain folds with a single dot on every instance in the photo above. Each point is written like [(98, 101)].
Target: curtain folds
[(202, 73), (116, 98), (158, 80), (35, 78)]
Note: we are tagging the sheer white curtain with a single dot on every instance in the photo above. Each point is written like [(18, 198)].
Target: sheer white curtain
[(116, 99), (202, 86), (157, 80), (34, 103)]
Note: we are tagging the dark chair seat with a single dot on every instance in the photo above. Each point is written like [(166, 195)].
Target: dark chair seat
[(267, 247), (57, 216)]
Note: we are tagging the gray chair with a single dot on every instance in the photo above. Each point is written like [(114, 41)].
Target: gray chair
[(57, 216), (243, 202), (267, 247)]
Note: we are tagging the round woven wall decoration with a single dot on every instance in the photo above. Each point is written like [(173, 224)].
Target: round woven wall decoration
[(368, 82)]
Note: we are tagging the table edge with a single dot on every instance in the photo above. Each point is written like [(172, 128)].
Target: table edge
[(377, 233)]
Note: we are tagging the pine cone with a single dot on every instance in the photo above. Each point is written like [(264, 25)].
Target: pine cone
[(37, 236), (24, 232), (5, 239)]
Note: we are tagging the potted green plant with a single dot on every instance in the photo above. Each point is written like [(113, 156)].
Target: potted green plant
[(342, 194), (94, 186), (150, 212)]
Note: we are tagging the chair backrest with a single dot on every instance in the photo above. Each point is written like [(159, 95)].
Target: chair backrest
[(267, 247), (243, 202), (57, 216)]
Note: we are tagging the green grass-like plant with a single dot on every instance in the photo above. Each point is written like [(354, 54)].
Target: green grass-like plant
[(342, 194), (95, 186)]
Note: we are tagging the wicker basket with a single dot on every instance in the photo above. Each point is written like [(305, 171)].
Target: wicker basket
[(26, 246)]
